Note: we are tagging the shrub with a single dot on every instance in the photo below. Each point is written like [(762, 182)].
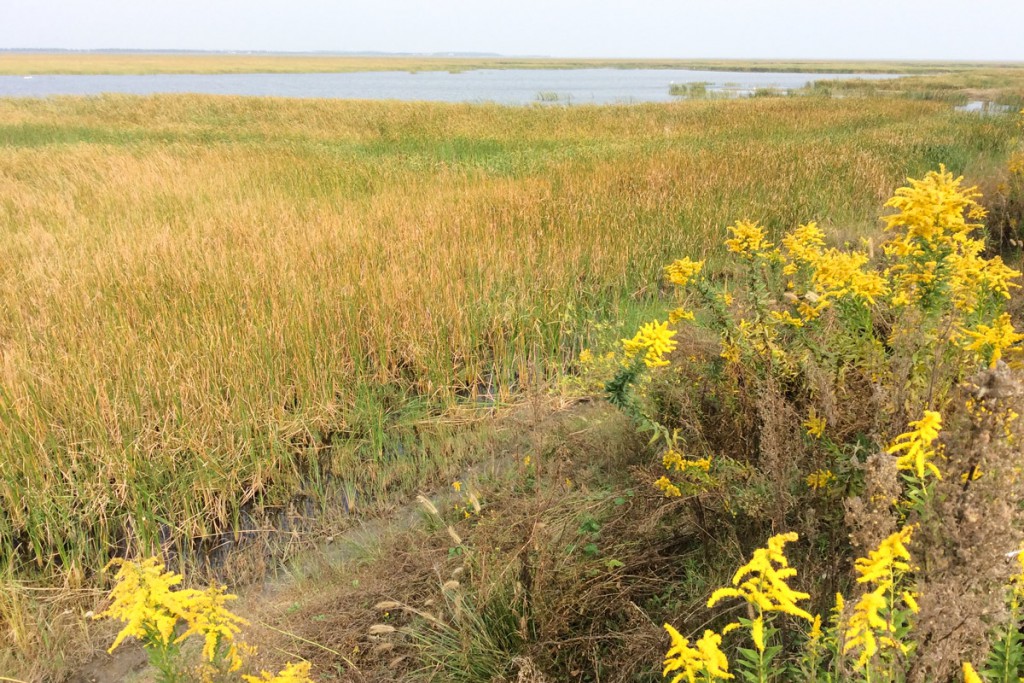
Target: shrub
[(798, 419)]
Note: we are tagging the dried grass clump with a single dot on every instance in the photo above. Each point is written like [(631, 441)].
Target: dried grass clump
[(975, 522)]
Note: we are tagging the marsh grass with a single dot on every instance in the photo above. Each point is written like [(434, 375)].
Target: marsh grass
[(993, 83), (693, 91), (208, 303)]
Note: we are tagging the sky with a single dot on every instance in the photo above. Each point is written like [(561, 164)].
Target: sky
[(742, 29)]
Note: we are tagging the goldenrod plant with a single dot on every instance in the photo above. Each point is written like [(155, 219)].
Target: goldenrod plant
[(900, 331), (911, 317), (147, 599), (157, 611), (878, 625), (762, 583)]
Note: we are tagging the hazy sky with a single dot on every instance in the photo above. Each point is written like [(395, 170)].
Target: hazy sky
[(913, 29)]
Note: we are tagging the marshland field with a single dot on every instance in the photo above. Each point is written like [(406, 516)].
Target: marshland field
[(227, 318)]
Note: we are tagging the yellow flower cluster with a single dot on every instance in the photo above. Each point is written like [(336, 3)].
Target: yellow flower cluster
[(681, 271), (932, 213), (687, 661), (748, 239), (870, 627), (653, 341), (828, 274), (819, 479), (971, 276), (804, 245), (933, 244), (916, 445), (1016, 164), (787, 318), (892, 555), (678, 314), (838, 274), (762, 581), (210, 619), (815, 424), (970, 675), (990, 342), (291, 673), (674, 460), (731, 352), (146, 599), (665, 485)]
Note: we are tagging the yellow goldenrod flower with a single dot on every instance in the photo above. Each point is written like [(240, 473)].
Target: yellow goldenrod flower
[(934, 247), (699, 464), (991, 341), (654, 340), (145, 597), (870, 626), (864, 622), (748, 239), (682, 658), (814, 424), (762, 581), (586, 356), (933, 210), (668, 488), (291, 673), (757, 632), (673, 460), (208, 617), (1016, 163), (681, 271), (811, 306), (890, 556), (819, 479), (838, 274), (804, 244), (787, 318), (973, 276), (730, 352), (689, 661), (815, 633), (975, 474), (715, 662), (916, 445), (970, 675), (910, 598), (678, 314)]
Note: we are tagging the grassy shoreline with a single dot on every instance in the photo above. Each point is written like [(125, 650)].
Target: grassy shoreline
[(36, 63)]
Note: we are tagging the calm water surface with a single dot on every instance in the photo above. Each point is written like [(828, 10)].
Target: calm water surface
[(504, 86)]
